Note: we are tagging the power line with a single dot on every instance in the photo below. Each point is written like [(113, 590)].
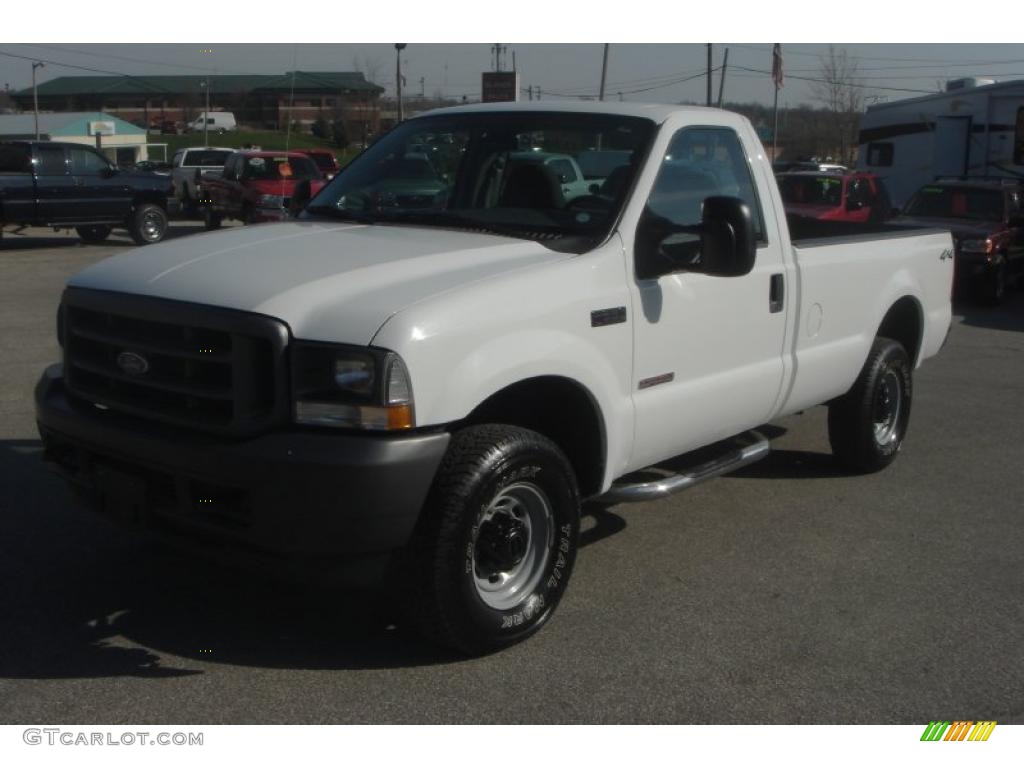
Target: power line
[(788, 51), (832, 82), (120, 58), (62, 64)]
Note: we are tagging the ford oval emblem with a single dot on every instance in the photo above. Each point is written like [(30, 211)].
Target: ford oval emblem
[(133, 364)]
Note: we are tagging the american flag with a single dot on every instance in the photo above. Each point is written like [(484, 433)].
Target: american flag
[(777, 65)]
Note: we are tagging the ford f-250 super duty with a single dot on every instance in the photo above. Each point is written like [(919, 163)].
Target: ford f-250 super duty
[(429, 384)]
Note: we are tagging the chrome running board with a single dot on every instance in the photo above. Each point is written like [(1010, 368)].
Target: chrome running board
[(733, 458)]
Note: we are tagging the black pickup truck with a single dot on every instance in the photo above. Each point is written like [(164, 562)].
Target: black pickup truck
[(56, 184)]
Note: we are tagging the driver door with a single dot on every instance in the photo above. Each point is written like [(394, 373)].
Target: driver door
[(708, 351)]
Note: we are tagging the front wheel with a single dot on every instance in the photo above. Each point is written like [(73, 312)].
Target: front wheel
[(148, 224), (866, 426), (495, 547)]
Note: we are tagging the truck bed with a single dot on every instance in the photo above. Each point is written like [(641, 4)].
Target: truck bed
[(805, 232)]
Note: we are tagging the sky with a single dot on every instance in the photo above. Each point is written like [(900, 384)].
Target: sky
[(650, 72), (657, 50)]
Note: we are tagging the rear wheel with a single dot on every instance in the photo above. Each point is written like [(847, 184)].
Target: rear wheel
[(867, 425), (496, 544), (148, 224), (95, 233)]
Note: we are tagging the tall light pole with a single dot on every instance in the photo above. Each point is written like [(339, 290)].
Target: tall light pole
[(399, 47), (35, 95), (604, 71)]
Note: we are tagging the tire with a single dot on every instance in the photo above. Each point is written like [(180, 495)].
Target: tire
[(496, 543), (211, 220), (148, 224), (95, 233), (867, 425)]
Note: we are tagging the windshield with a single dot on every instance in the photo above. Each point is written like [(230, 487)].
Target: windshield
[(512, 173), (283, 167), (207, 157), (957, 203), (811, 190)]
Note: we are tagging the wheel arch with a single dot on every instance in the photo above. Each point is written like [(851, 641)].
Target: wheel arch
[(904, 322), (561, 409)]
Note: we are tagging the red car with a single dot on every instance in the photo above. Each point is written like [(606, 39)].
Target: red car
[(827, 196), (325, 161), (259, 186)]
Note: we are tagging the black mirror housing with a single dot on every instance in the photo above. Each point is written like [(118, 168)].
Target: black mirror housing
[(727, 247), (728, 241)]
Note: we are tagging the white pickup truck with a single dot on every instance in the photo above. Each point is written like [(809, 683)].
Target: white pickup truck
[(422, 381)]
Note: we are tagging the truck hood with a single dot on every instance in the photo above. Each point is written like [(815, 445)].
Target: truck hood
[(328, 281)]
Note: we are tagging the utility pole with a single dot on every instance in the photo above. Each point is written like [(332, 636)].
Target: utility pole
[(423, 87), (709, 74), (206, 115), (529, 92), (721, 79), (399, 47), (35, 95), (604, 72)]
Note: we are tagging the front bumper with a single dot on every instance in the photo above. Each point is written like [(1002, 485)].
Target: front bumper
[(287, 495)]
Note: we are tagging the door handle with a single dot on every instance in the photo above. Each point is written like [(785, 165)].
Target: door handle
[(776, 293)]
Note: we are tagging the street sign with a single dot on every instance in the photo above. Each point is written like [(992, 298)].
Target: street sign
[(101, 127), (500, 86)]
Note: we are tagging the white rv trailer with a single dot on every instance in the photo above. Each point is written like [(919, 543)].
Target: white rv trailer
[(973, 129)]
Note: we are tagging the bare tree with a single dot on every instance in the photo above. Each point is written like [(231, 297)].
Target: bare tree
[(841, 91), (369, 66)]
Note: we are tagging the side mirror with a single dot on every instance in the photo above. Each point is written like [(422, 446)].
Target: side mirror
[(723, 244), (728, 242), (854, 205), (594, 189), (108, 172)]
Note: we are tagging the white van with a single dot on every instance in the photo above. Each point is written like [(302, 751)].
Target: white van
[(218, 122)]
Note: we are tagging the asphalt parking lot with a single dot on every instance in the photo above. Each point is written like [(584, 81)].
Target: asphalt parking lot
[(785, 593)]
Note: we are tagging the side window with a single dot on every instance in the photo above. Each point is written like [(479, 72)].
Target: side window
[(859, 192), (563, 170), (702, 163), (15, 158), (231, 168), (85, 162), (880, 153), (51, 161)]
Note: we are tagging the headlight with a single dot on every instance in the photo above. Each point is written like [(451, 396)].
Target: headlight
[(352, 387), (271, 201), (976, 246)]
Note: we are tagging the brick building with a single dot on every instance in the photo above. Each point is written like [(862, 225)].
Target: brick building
[(258, 101)]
